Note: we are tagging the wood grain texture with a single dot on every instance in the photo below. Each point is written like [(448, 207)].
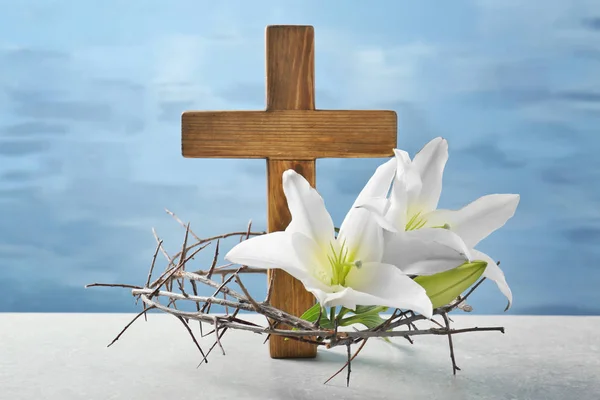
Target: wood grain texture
[(288, 293), (290, 67), (290, 86), (297, 134)]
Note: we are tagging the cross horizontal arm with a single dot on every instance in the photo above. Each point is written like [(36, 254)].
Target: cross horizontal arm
[(288, 134)]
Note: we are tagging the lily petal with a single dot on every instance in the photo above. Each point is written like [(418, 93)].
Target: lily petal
[(383, 285), (390, 214), (379, 184), (429, 163), (312, 260), (273, 250), (426, 251), (403, 160), (309, 215), (377, 207), (478, 219), (412, 180), (276, 251), (397, 210), (443, 237), (358, 230), (493, 272), (362, 235), (322, 296)]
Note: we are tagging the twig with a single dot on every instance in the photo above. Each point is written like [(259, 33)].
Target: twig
[(287, 318), (160, 242), (214, 262), (217, 337), (129, 324), (162, 249), (347, 362), (270, 288), (250, 298), (213, 265), (271, 326), (195, 291), (220, 336), (228, 271), (121, 285), (225, 236), (158, 246), (437, 323), (182, 262), (198, 299), (187, 327), (463, 299), (166, 276), (184, 247), (225, 294), (219, 289), (179, 268), (454, 366), (182, 224), (247, 231)]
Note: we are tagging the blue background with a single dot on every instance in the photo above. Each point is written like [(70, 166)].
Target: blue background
[(91, 95)]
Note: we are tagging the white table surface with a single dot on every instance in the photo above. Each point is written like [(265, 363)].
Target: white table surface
[(64, 357)]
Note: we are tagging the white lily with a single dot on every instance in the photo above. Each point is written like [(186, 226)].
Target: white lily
[(413, 207), (344, 271)]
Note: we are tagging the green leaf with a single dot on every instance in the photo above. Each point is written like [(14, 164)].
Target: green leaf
[(369, 309), (369, 320), (444, 287), (312, 314), (343, 311)]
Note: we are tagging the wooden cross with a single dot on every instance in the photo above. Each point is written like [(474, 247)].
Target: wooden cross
[(290, 134)]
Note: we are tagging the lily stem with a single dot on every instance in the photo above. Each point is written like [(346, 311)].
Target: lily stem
[(343, 311)]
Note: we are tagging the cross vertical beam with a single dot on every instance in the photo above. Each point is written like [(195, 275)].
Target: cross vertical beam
[(290, 66)]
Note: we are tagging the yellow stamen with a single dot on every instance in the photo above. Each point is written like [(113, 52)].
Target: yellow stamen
[(341, 263)]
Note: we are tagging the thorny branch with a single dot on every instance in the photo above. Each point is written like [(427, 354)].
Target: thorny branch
[(225, 296)]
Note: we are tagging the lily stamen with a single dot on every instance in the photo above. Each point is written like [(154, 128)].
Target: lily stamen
[(416, 222), (341, 263)]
